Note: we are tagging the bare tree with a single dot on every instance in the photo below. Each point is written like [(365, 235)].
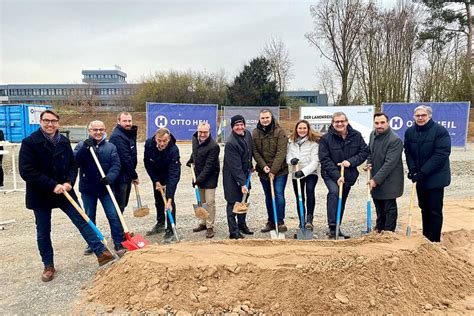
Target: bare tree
[(337, 26), (328, 84), (277, 54)]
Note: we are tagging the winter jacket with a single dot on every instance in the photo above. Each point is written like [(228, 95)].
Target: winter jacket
[(89, 175), (387, 168), (307, 153), (269, 149), (126, 143), (43, 165), (427, 150), (205, 157), (333, 149), (163, 166), (237, 165)]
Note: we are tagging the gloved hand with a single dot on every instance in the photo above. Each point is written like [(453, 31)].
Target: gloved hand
[(106, 181), (188, 164), (415, 176), (194, 183), (89, 143), (299, 174), (294, 161)]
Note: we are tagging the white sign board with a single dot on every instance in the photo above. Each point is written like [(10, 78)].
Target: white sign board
[(34, 114), (360, 117)]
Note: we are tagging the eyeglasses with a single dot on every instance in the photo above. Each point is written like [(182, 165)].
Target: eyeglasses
[(52, 122), (421, 115), (203, 132), (339, 122), (95, 130)]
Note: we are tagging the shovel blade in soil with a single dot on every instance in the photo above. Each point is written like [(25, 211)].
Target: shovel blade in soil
[(275, 235), (141, 211), (135, 242), (304, 234), (201, 211), (240, 208)]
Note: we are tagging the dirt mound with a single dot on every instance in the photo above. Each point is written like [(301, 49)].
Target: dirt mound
[(385, 273)]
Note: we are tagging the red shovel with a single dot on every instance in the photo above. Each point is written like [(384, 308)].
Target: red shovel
[(131, 243)]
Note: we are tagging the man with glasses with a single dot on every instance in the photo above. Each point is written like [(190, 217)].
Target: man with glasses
[(124, 137), (205, 157), (92, 186), (341, 145), (427, 149), (47, 165)]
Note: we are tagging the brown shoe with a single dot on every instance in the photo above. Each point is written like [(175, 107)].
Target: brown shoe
[(210, 233), (282, 228), (200, 228), (48, 274), (268, 227), (105, 258)]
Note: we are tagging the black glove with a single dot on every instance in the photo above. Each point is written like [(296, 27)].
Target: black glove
[(106, 181), (294, 161), (299, 174), (194, 183), (188, 164), (89, 143), (415, 176)]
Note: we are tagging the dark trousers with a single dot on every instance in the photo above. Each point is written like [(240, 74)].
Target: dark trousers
[(431, 204), (386, 214), (309, 199), (331, 202), (234, 224), (122, 194), (160, 209), (43, 232), (279, 184), (1, 171)]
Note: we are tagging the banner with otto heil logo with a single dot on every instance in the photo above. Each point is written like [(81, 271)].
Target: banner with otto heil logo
[(452, 115), (181, 119)]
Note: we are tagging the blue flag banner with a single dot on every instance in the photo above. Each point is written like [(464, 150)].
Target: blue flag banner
[(181, 119), (250, 113), (452, 115)]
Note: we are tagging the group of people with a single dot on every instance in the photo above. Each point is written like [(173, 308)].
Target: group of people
[(50, 167)]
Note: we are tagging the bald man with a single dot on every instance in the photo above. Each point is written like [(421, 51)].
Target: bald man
[(92, 186)]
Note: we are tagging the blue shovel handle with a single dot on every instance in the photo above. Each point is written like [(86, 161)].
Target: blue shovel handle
[(198, 196)]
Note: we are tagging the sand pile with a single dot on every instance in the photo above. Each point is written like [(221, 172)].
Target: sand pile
[(385, 273)]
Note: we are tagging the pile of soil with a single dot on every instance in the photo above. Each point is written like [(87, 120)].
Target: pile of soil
[(377, 273)]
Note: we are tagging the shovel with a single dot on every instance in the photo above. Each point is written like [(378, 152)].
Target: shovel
[(131, 243), (91, 224), (242, 207), (139, 210), (339, 204), (369, 204), (274, 234), (200, 209), (170, 216), (302, 233), (410, 210)]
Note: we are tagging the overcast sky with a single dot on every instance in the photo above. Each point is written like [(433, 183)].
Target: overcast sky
[(52, 41)]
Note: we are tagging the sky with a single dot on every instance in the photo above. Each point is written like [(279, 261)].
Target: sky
[(51, 41)]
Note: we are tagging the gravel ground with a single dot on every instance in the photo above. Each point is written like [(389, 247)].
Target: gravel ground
[(24, 293)]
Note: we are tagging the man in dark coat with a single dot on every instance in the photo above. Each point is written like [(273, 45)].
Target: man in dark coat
[(47, 165), (340, 145), (124, 137), (205, 157), (91, 183), (237, 166), (427, 150), (270, 145), (164, 168), (385, 164)]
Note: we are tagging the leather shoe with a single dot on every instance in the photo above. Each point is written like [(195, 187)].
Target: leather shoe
[(200, 228), (88, 251), (236, 236), (309, 226), (48, 274), (105, 257), (210, 233), (245, 230), (158, 228), (282, 228), (268, 227)]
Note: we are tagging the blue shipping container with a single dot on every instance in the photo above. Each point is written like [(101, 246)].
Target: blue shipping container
[(20, 120)]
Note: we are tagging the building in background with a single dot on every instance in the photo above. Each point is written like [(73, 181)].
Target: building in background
[(310, 98), (101, 89)]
